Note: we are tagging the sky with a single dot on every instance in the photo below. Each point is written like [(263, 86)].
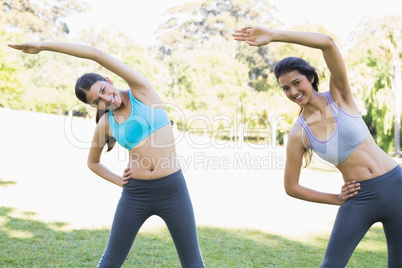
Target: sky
[(141, 18)]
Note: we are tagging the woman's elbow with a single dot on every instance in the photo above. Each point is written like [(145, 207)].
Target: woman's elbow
[(328, 41), (91, 165), (290, 191), (98, 54)]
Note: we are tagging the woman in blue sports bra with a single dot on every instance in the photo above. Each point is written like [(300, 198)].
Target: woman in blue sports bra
[(330, 124), (137, 120)]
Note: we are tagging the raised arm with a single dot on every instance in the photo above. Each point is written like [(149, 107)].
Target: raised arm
[(134, 79), (339, 83)]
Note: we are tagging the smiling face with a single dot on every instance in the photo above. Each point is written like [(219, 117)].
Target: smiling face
[(103, 95), (296, 87)]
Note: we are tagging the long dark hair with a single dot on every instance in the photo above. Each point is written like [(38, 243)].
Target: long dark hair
[(297, 64), (303, 67), (82, 86)]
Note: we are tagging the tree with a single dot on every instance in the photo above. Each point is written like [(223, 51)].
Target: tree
[(44, 19), (377, 44), (202, 83), (192, 24), (10, 83), (26, 80), (209, 70)]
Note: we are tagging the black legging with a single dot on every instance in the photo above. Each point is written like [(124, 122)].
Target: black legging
[(378, 200), (166, 197)]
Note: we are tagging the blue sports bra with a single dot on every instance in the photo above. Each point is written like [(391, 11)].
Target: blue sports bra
[(350, 131), (142, 122)]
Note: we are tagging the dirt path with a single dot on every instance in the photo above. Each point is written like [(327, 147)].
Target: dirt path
[(43, 157)]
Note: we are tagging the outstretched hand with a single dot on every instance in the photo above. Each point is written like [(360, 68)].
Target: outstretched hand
[(349, 189), (253, 35), (30, 48)]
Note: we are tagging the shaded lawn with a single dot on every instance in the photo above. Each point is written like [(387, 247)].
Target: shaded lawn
[(25, 242)]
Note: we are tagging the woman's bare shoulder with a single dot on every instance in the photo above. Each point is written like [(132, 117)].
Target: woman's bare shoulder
[(296, 138)]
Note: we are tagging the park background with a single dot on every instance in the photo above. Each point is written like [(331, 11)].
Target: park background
[(230, 118)]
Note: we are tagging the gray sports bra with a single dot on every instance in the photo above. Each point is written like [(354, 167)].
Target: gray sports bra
[(350, 131)]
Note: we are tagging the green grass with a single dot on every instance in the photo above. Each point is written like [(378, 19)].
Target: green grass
[(6, 183), (25, 242)]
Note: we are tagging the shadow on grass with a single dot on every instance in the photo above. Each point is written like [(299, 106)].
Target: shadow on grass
[(25, 242)]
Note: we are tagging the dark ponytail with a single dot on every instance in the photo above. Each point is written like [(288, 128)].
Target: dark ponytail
[(82, 86), (111, 141)]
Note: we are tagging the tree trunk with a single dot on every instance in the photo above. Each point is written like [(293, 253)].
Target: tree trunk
[(397, 88)]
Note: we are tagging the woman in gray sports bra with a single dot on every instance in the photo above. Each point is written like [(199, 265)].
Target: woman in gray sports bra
[(330, 124)]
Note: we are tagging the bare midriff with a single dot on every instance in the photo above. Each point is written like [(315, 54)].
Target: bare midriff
[(366, 162), (154, 157)]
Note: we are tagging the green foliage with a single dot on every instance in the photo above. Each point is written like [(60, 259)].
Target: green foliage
[(372, 57), (42, 18), (202, 84), (38, 83), (194, 23), (211, 18), (210, 83), (11, 89)]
